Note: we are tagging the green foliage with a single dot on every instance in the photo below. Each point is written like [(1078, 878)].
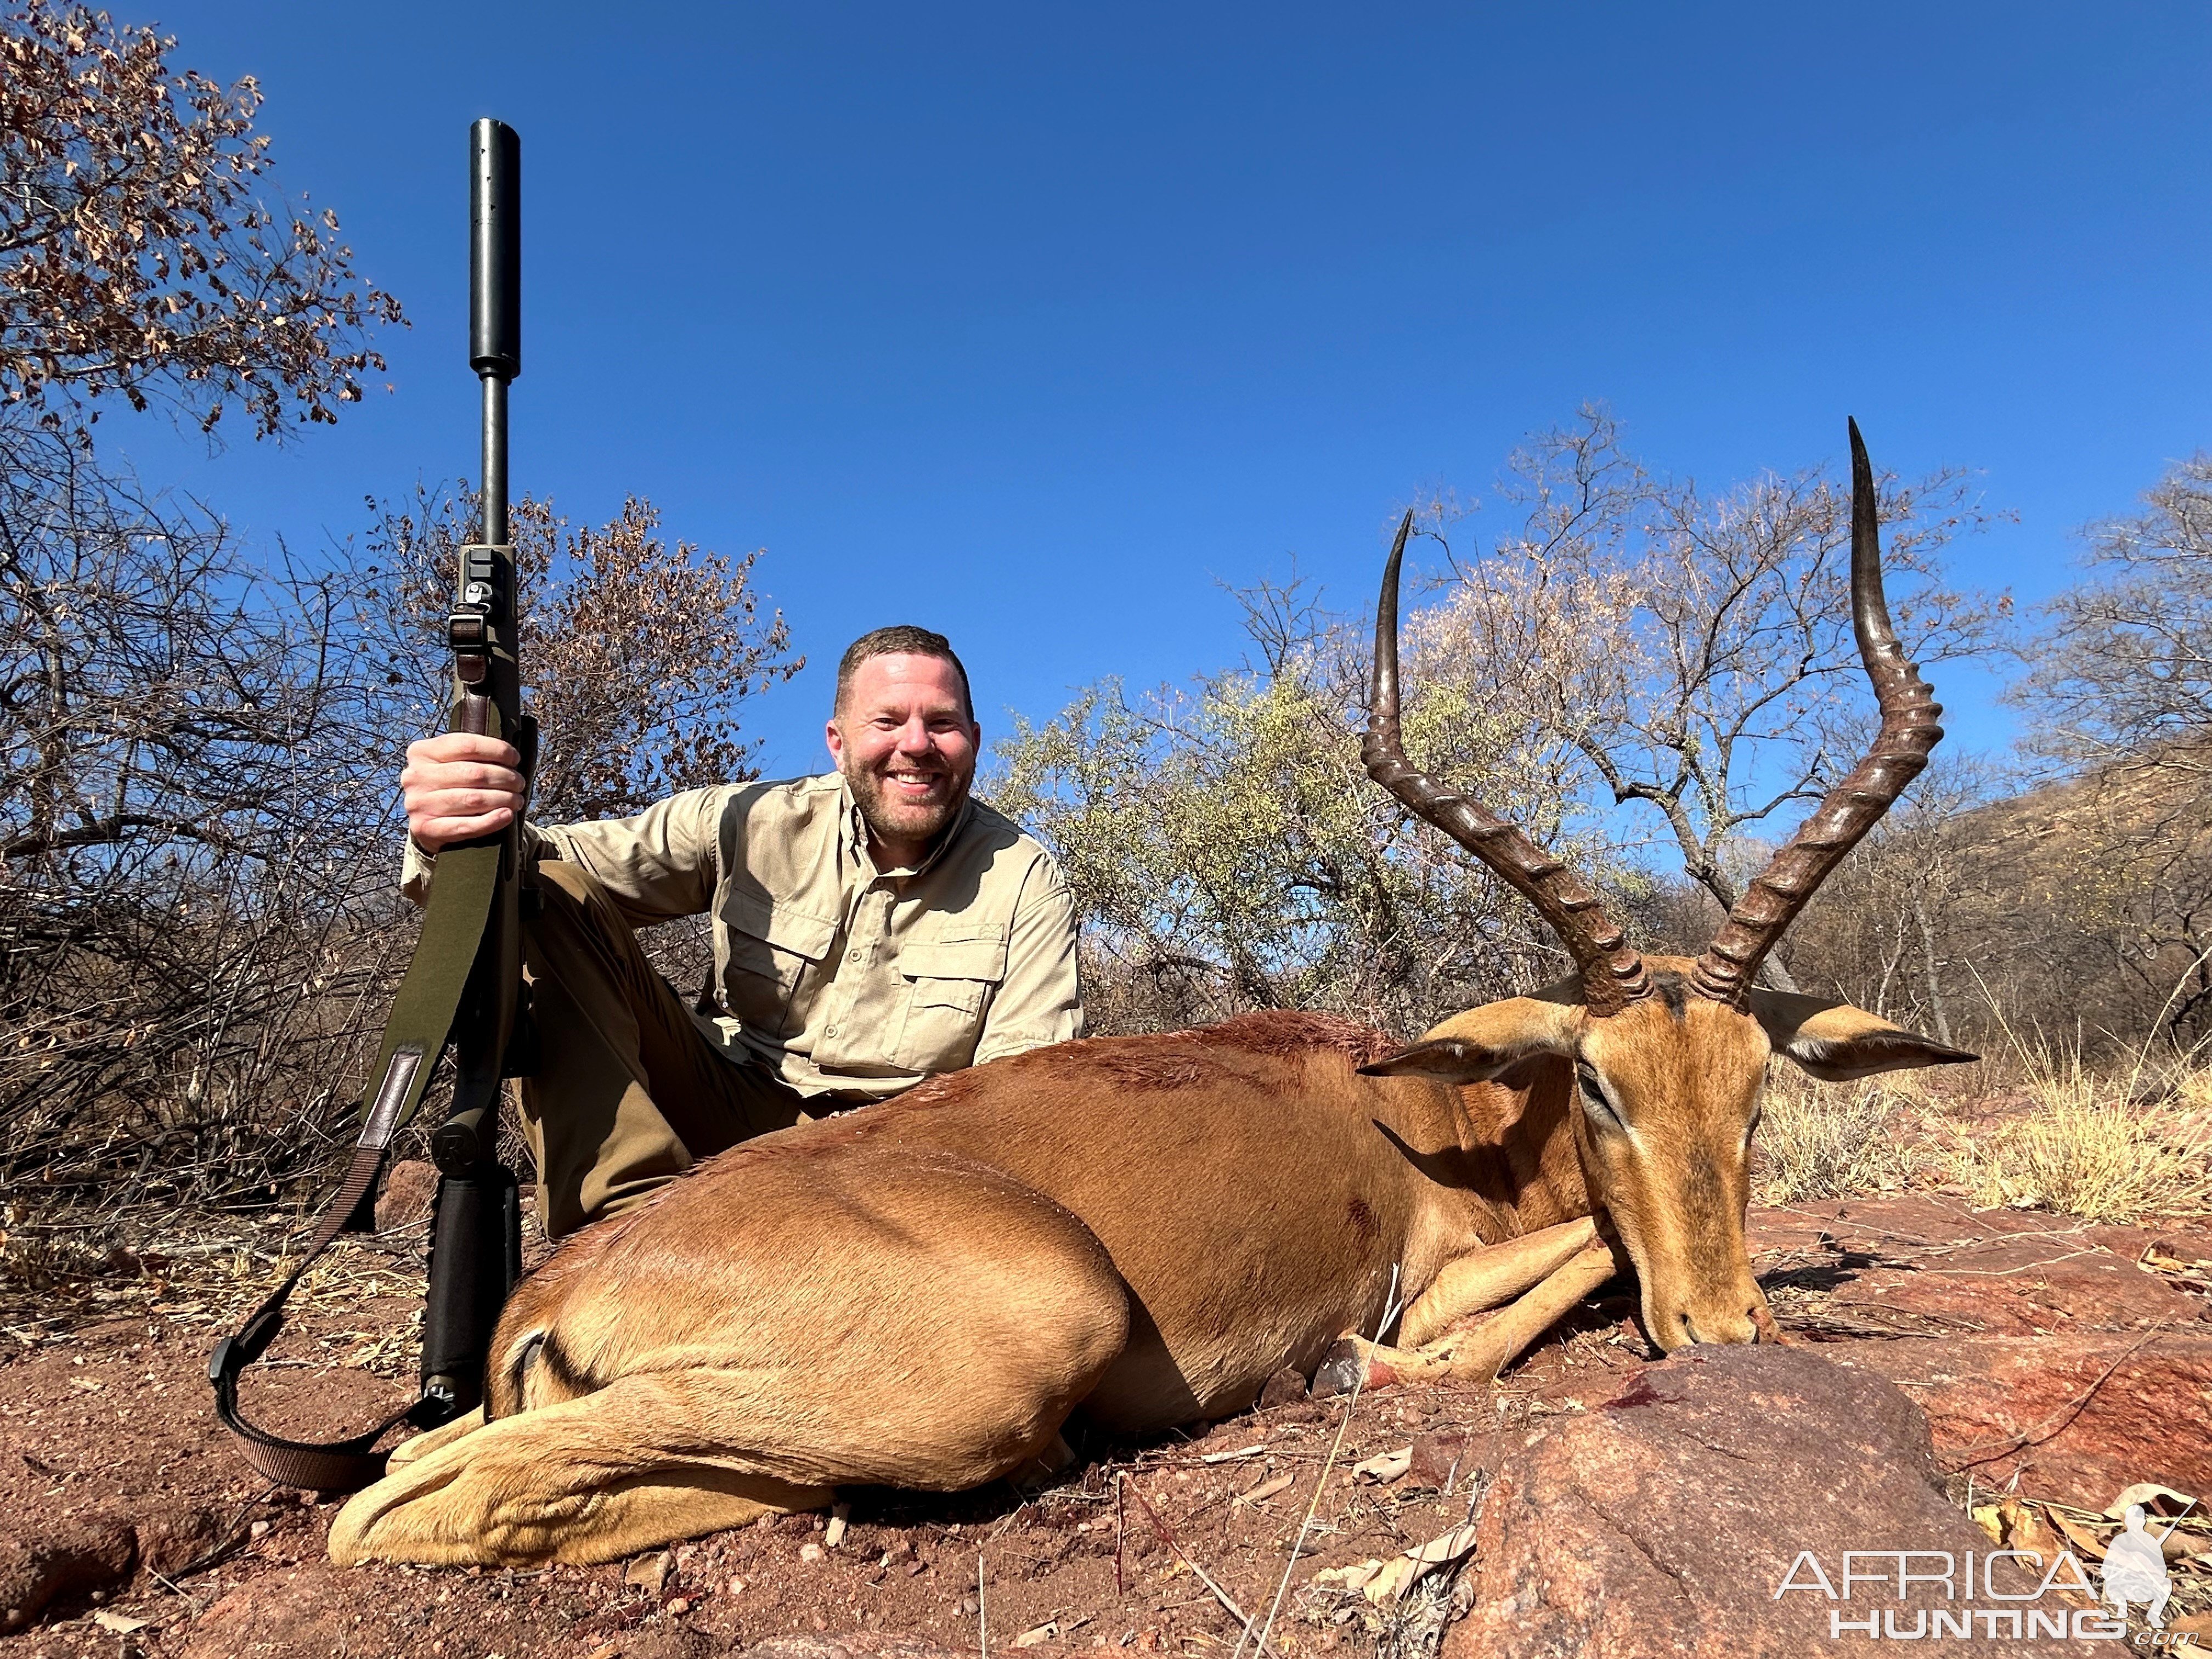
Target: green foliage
[(1228, 851)]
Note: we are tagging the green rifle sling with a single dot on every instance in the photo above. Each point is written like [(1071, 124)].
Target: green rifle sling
[(421, 1023)]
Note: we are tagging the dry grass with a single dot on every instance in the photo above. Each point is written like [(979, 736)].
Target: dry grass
[(2128, 1142), (2103, 1160), (1820, 1142)]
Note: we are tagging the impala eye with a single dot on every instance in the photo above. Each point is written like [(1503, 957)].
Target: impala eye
[(1594, 1099)]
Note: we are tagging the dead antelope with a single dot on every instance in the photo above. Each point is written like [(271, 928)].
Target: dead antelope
[(1146, 1229)]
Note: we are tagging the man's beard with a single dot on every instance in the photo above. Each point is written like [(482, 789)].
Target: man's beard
[(891, 819)]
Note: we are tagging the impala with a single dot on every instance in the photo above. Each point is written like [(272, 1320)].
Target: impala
[(1146, 1229)]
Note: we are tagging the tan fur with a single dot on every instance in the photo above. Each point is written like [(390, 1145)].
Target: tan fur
[(1145, 1229)]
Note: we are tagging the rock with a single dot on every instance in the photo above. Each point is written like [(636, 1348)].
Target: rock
[(274, 1618), (1285, 1387), (648, 1572), (74, 1559), (1445, 1461), (177, 1539), (1665, 1521), (2077, 1417), (409, 1189), (1921, 1265)]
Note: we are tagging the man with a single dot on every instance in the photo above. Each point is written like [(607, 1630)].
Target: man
[(872, 926)]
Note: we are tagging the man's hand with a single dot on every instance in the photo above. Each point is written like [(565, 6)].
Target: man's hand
[(458, 787)]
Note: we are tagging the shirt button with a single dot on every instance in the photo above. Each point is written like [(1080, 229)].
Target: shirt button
[(851, 956), (832, 1032)]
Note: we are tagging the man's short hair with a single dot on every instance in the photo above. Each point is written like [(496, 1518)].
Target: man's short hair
[(900, 640)]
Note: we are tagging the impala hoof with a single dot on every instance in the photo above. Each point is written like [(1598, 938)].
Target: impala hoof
[(1349, 1364)]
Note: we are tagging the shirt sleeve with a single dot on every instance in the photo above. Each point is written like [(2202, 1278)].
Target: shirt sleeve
[(418, 867), (1040, 1000), (655, 867)]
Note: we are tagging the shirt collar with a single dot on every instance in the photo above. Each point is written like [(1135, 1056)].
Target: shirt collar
[(853, 833)]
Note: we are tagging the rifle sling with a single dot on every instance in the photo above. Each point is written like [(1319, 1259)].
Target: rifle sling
[(421, 1023)]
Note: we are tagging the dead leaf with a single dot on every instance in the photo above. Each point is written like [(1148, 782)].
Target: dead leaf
[(1390, 1582), (1350, 1577), (121, 1624), (1449, 1546), (1044, 1632), (1394, 1578), (834, 1535), (2077, 1535), (2148, 1493), (1385, 1466), (1265, 1490)]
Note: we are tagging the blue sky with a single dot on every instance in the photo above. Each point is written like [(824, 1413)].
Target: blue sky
[(1033, 323)]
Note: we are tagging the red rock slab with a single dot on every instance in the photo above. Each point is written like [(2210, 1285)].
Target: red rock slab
[(1923, 1266), (2077, 1417), (1665, 1521)]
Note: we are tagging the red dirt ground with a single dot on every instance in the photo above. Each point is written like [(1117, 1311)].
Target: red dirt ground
[(107, 1439)]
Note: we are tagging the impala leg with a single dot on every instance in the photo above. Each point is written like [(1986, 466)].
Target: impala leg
[(1479, 1353), (589, 1479), (939, 1361), (407, 1451), (1491, 1277)]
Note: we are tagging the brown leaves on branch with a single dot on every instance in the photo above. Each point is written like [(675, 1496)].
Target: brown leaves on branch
[(636, 652), (138, 254)]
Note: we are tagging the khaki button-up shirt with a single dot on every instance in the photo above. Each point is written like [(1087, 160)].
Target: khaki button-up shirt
[(846, 980)]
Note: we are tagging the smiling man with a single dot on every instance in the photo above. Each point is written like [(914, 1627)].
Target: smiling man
[(872, 926)]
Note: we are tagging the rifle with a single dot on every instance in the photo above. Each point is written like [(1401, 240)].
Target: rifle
[(463, 988)]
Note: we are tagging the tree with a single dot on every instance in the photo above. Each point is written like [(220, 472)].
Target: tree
[(637, 654), (1691, 651), (2122, 671), (1227, 850), (1900, 928), (183, 797), (137, 255)]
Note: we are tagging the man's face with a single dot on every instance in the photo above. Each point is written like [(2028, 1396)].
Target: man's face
[(906, 745)]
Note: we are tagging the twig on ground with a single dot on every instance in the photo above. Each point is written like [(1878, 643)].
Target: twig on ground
[(2056, 1423), (1390, 1311), (1168, 1538)]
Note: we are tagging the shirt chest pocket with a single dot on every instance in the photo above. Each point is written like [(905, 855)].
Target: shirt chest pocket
[(948, 982), (766, 949)]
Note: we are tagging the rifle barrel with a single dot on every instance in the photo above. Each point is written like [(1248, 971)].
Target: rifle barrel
[(495, 298)]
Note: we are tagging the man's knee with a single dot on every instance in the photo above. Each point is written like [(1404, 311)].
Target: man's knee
[(559, 880), (573, 914)]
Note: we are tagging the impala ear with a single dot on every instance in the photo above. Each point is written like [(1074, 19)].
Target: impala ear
[(1483, 1043), (1837, 1043)]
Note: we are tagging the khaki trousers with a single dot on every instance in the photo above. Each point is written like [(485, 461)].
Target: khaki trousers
[(628, 1092)]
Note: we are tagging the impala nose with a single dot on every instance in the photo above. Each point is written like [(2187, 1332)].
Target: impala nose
[(1728, 1324)]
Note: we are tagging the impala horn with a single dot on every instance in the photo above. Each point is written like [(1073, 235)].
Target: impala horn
[(1612, 973), (1909, 730)]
